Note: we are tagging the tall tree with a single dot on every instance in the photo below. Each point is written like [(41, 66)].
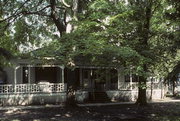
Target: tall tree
[(128, 33)]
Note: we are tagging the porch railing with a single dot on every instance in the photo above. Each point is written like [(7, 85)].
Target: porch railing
[(33, 88)]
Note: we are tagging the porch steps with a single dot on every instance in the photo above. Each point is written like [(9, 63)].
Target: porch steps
[(98, 97)]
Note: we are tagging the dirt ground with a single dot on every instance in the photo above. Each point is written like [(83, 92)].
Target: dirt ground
[(126, 112)]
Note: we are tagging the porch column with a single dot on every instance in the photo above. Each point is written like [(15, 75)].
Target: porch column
[(121, 78), (62, 73), (131, 78), (15, 77), (29, 74), (15, 74)]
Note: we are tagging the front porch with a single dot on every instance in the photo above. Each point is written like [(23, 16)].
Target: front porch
[(25, 94), (41, 84), (34, 84)]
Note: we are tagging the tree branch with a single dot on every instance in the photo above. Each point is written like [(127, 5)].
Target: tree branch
[(65, 4), (57, 21), (15, 13), (39, 12)]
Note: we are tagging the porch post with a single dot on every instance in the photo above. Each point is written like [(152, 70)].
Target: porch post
[(131, 78), (15, 74), (62, 73), (15, 77), (29, 74)]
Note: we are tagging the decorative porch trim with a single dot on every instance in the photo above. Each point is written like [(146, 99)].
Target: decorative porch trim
[(33, 88)]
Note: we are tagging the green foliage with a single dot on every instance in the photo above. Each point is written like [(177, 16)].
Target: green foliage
[(108, 32), (7, 47), (113, 33)]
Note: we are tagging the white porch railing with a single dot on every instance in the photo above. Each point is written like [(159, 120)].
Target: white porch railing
[(33, 88)]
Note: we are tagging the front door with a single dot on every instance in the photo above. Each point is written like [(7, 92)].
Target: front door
[(93, 80), (99, 80), (87, 79)]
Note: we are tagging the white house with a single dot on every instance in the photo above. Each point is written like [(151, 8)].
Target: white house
[(32, 81)]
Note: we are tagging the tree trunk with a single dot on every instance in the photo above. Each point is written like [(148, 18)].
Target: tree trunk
[(144, 43), (151, 88), (56, 19), (142, 90), (174, 86)]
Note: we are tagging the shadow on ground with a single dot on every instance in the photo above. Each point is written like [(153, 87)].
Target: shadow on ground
[(128, 112)]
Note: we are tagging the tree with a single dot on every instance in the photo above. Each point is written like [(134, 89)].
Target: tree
[(133, 33), (122, 43)]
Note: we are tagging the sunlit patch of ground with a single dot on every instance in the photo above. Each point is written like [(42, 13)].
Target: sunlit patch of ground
[(128, 112)]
